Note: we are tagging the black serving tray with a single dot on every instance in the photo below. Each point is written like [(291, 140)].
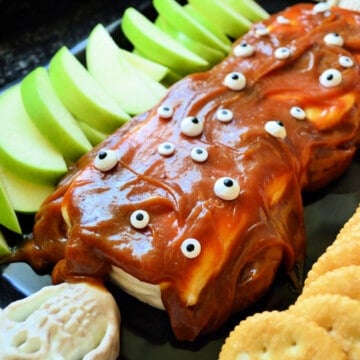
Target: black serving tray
[(145, 332)]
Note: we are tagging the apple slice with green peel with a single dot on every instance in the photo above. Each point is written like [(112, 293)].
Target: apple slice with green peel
[(8, 216), (212, 55), (82, 95), (24, 195), (157, 46), (177, 16), (51, 116), (94, 136), (4, 247), (151, 68), (23, 149), (221, 14), (218, 32), (249, 8), (132, 89)]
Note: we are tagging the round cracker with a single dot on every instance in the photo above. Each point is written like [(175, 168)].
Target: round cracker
[(338, 315), (279, 335), (337, 255), (343, 281)]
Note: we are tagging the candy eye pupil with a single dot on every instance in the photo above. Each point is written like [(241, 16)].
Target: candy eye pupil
[(139, 217), (330, 77), (195, 120), (199, 151), (102, 155), (190, 247), (280, 123), (228, 183), (234, 76)]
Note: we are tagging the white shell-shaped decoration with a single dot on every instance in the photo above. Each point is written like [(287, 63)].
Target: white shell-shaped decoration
[(297, 113), (243, 49), (235, 81), (276, 129), (191, 126), (140, 219), (82, 321), (262, 32), (346, 61), (330, 78), (226, 188), (224, 115), (166, 148), (191, 248), (165, 112), (282, 53), (199, 154), (106, 160), (334, 39)]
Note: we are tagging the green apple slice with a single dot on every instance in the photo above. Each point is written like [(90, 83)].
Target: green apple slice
[(151, 68), (212, 55), (50, 115), (177, 16), (95, 136), (82, 95), (221, 14), (24, 195), (158, 46), (8, 216), (22, 147), (197, 16), (4, 247), (133, 90), (249, 8)]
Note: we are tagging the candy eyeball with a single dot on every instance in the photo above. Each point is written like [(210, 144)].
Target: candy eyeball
[(235, 81), (297, 113), (282, 53), (276, 128), (199, 154), (243, 49), (191, 248), (334, 39), (166, 148), (139, 219), (224, 115), (346, 61), (106, 160), (191, 126), (165, 112), (226, 188), (330, 78)]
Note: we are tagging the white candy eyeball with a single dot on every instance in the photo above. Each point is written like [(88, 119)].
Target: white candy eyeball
[(166, 148), (320, 7), (199, 154), (235, 81), (276, 129), (346, 61), (226, 188), (330, 78), (224, 115), (243, 49), (282, 53), (298, 113), (191, 248), (191, 126), (282, 20), (106, 160), (165, 112), (139, 219), (334, 39)]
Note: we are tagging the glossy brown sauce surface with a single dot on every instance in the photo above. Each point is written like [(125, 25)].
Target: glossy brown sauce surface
[(243, 241)]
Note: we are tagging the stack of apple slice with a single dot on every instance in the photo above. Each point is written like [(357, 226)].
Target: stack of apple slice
[(55, 115)]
